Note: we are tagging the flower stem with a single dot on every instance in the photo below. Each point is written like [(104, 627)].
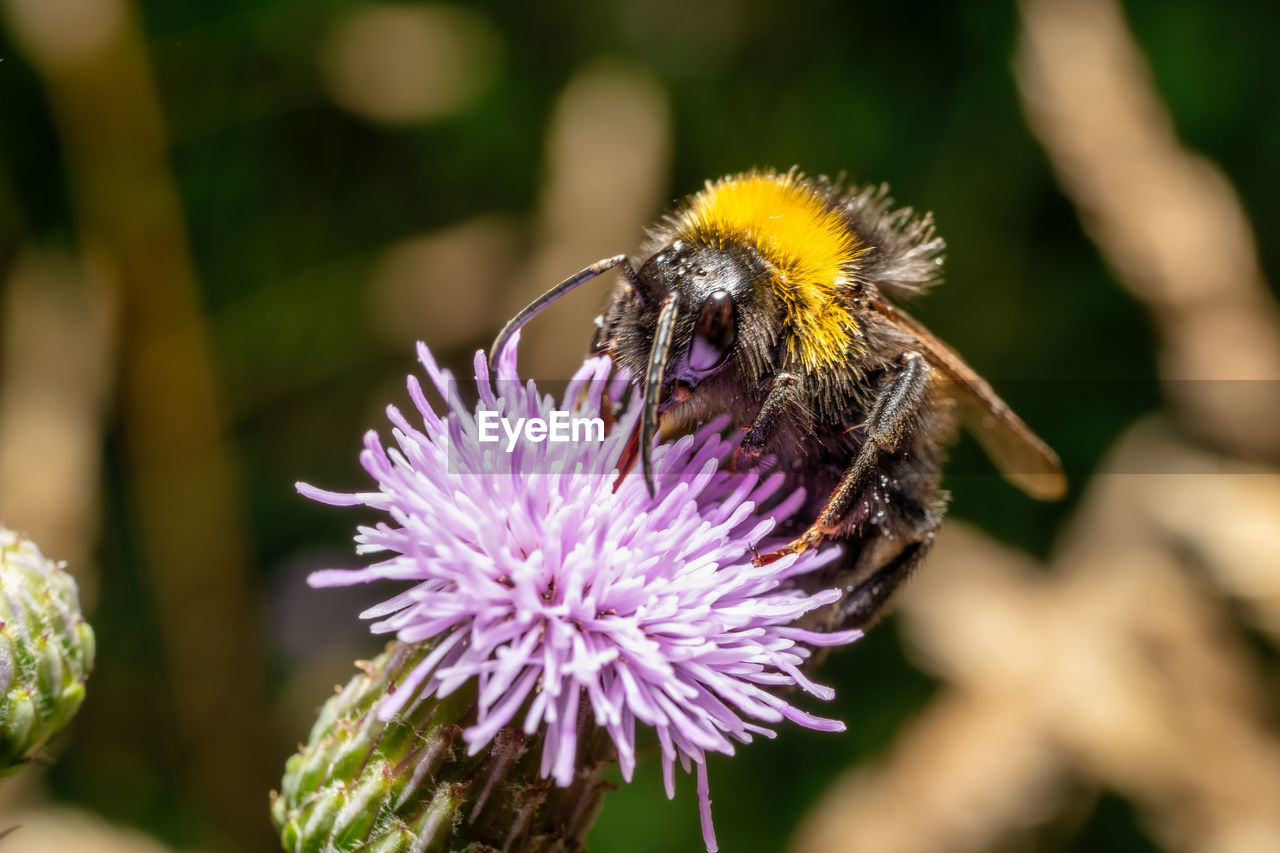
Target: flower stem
[(408, 784)]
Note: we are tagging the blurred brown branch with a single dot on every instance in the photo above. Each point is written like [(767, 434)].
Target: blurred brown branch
[(59, 344), (1117, 668), (185, 487), (64, 829), (1165, 218)]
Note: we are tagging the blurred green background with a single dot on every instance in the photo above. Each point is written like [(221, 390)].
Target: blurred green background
[(224, 223)]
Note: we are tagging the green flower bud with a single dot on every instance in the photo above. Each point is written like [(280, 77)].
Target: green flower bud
[(408, 784), (46, 650)]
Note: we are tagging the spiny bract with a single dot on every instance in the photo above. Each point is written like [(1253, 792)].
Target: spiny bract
[(46, 650)]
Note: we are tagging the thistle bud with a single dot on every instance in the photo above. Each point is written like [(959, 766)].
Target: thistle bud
[(46, 650), (408, 783)]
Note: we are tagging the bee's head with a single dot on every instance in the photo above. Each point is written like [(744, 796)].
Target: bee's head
[(700, 306), (701, 314)]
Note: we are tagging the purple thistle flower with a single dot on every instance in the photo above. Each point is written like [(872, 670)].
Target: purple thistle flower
[(539, 580)]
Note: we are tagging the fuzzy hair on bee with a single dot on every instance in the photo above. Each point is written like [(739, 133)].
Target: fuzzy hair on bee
[(771, 296)]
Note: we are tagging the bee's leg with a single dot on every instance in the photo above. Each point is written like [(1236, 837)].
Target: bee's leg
[(783, 389), (862, 604), (602, 343), (602, 339), (887, 428)]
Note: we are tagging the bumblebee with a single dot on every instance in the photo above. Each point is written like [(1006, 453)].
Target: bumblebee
[(771, 297)]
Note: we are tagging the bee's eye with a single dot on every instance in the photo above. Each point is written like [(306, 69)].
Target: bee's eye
[(715, 333)]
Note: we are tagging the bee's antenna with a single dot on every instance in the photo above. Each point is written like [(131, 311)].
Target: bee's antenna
[(599, 267), (653, 383)]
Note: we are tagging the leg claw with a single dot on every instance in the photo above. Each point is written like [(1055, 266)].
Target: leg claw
[(797, 546), (743, 460)]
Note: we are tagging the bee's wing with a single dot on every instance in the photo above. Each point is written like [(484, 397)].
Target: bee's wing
[(1021, 456)]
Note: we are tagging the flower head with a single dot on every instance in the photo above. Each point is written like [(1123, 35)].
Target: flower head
[(567, 594), (46, 650)]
